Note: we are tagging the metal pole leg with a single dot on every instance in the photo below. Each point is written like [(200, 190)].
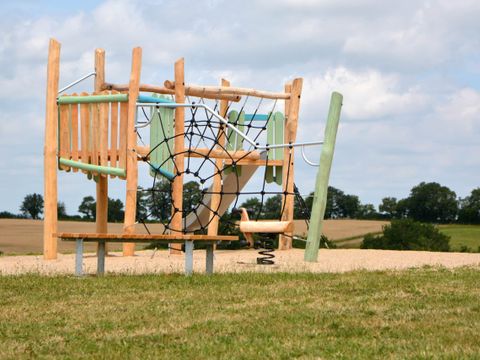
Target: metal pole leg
[(79, 257), (188, 257), (209, 264), (101, 258)]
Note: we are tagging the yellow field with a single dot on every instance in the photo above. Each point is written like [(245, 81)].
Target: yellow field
[(25, 236)]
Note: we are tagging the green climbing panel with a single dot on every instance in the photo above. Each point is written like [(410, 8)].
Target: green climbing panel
[(275, 136), (235, 141), (161, 149)]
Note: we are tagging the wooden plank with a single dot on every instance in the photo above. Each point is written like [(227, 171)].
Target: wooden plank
[(74, 124), (132, 167), (113, 133), (145, 237), (64, 135), (94, 128), (50, 153), (227, 90), (217, 179), (179, 145), (285, 242), (256, 162), (122, 136), (85, 152), (101, 219), (278, 153), (164, 90)]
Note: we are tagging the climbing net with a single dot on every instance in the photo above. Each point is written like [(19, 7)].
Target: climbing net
[(213, 153)]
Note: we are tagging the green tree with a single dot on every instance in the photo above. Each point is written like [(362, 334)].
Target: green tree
[(88, 208), (254, 207), (191, 196), (115, 210), (159, 200), (469, 212), (142, 205), (32, 206), (431, 202), (272, 207), (367, 211), (61, 210), (407, 234), (389, 207)]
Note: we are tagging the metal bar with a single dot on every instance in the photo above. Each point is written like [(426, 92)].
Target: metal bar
[(76, 82), (209, 260), (229, 125), (188, 257), (79, 257), (93, 168), (101, 258)]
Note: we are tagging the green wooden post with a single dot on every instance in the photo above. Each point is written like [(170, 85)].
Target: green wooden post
[(321, 185)]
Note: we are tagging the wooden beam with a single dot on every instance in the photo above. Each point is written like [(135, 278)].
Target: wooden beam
[(164, 90), (226, 90), (217, 179), (50, 153), (321, 185), (101, 220), (144, 237), (179, 146), (132, 167), (293, 107)]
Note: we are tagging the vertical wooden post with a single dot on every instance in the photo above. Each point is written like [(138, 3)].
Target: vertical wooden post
[(50, 153), (293, 105), (101, 222), (217, 185), (179, 145), (132, 166), (321, 185)]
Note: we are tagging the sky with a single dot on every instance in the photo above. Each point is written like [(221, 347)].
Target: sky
[(409, 72)]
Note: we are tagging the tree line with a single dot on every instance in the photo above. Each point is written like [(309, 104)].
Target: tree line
[(427, 202)]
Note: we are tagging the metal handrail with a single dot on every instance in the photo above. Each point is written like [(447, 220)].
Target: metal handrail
[(255, 145)]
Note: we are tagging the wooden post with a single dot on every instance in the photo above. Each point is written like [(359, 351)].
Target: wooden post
[(293, 106), (321, 185), (50, 153), (132, 166), (179, 145), (217, 185), (101, 222)]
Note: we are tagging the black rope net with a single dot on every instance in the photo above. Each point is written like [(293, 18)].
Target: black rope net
[(203, 134)]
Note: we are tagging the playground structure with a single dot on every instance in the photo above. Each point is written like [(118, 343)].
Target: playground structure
[(217, 146)]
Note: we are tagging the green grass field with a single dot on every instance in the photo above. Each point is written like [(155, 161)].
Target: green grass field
[(424, 313), (463, 235)]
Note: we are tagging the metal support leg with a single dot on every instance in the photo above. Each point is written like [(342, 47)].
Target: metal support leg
[(101, 258), (79, 257), (209, 264), (188, 257)]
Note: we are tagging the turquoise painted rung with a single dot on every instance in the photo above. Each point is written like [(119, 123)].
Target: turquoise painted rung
[(107, 170), (89, 99), (152, 99), (256, 117), (163, 172)]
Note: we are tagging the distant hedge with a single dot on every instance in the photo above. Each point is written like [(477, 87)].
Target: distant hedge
[(407, 234)]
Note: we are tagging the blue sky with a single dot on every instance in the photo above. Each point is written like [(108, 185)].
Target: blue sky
[(409, 72)]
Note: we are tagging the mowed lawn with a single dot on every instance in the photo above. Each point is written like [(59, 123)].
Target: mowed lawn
[(423, 313), (463, 236)]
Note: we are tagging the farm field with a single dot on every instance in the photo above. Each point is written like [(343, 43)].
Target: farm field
[(361, 315), (463, 236), (20, 237)]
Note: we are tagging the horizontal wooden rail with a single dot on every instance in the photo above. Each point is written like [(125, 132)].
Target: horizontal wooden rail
[(227, 90), (143, 237), (163, 90), (214, 154)]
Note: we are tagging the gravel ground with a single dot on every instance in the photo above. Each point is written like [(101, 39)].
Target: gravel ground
[(337, 260)]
